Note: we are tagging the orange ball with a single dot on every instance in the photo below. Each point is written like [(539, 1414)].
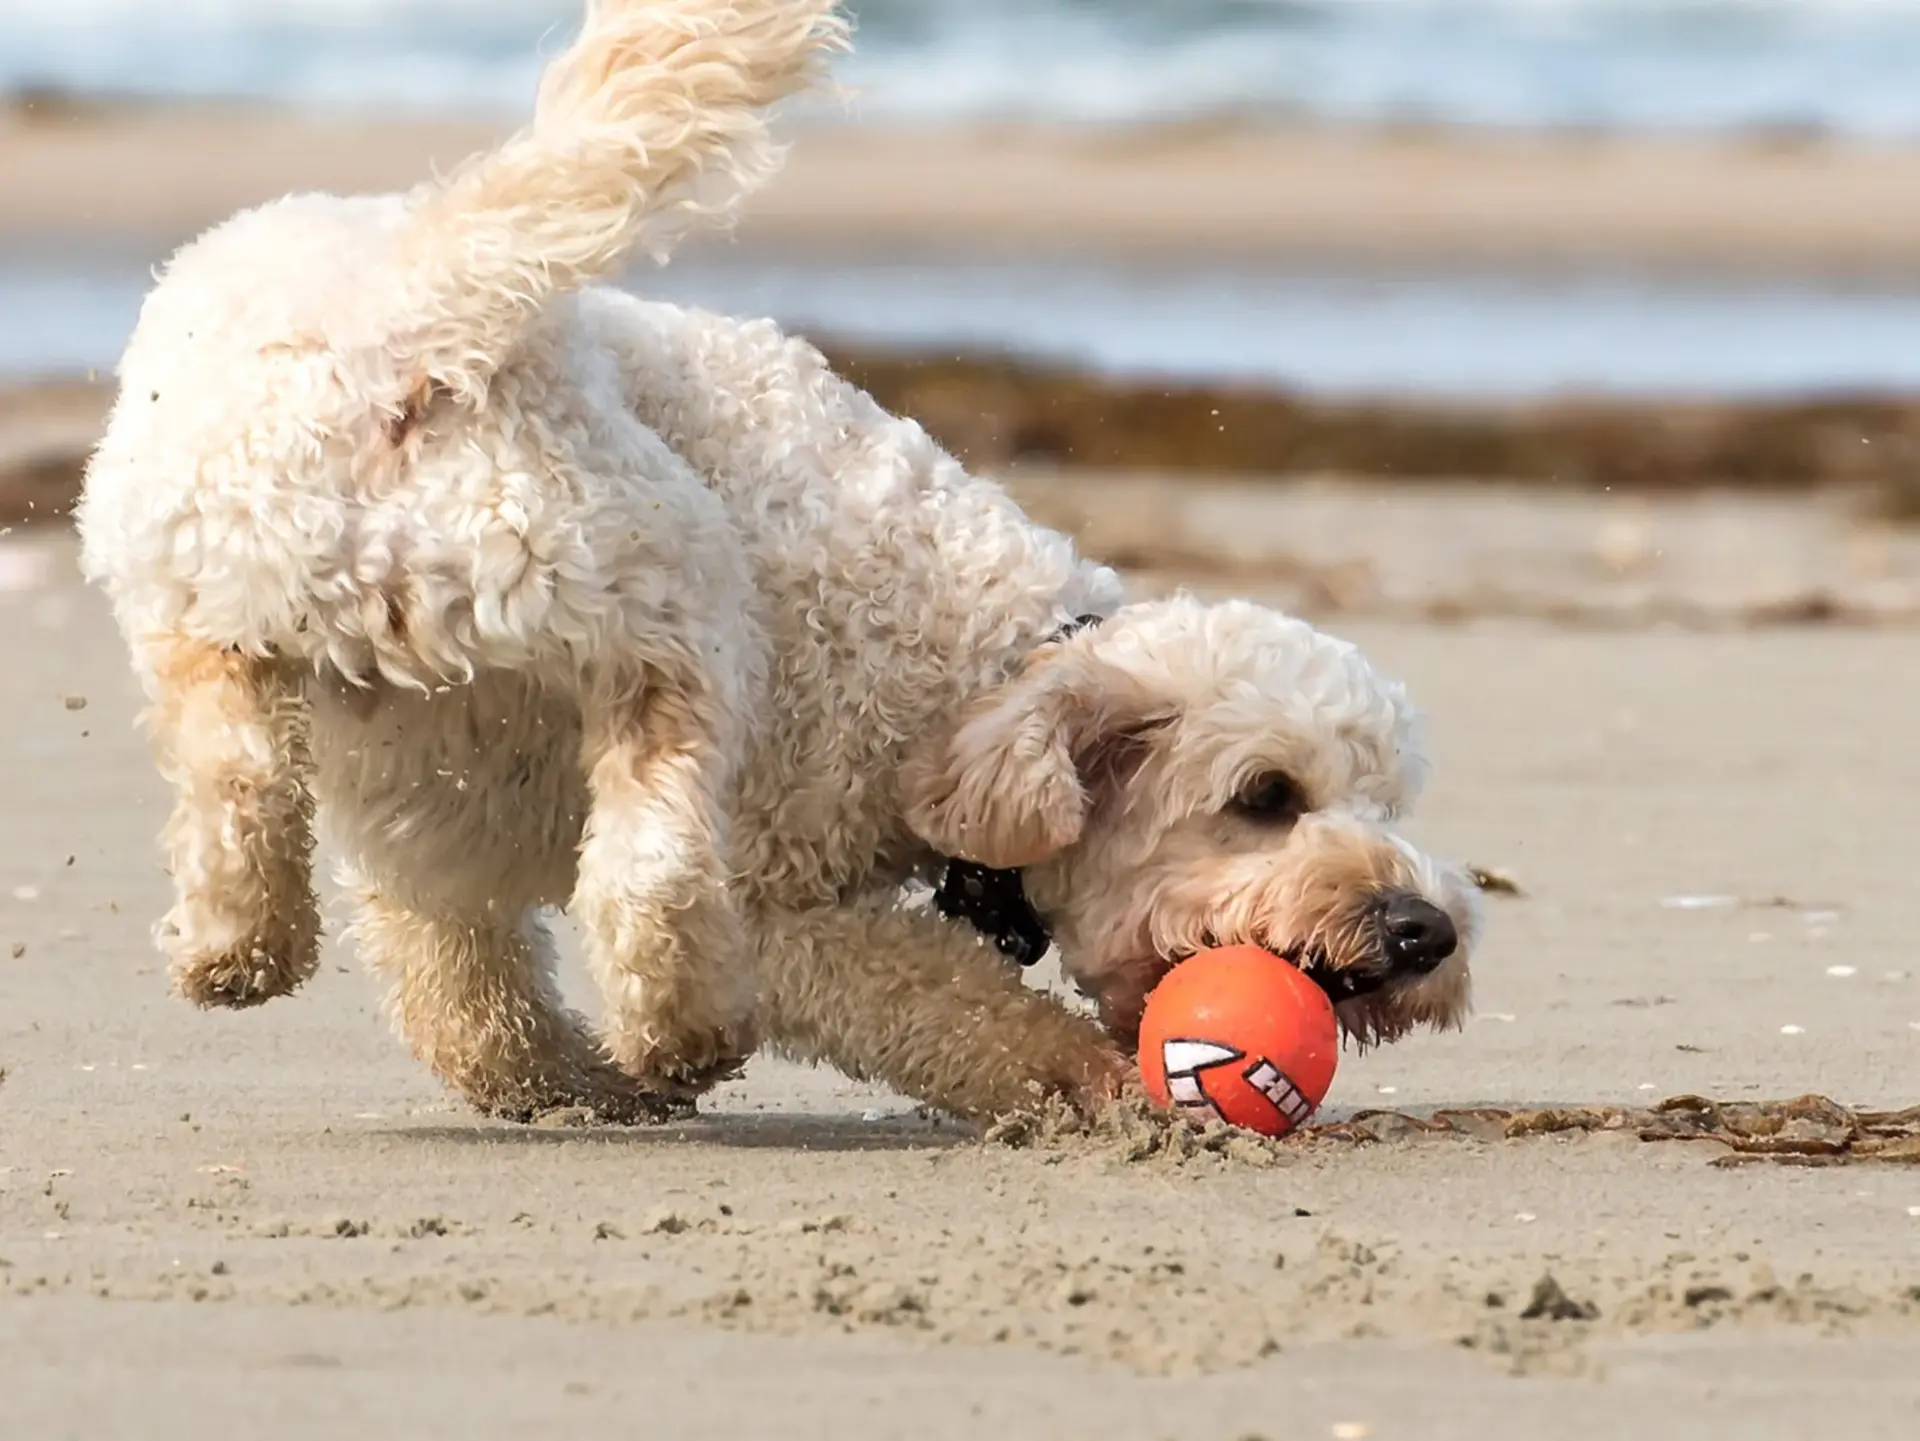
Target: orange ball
[(1239, 1035)]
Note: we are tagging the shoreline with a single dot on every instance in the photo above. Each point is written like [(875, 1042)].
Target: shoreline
[(1580, 516), (136, 179), (1002, 415)]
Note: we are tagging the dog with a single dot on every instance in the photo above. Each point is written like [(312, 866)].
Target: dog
[(537, 595)]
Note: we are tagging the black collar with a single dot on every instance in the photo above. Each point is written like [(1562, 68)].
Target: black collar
[(994, 902)]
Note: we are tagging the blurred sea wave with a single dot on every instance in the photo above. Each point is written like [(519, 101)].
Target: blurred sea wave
[(1839, 66)]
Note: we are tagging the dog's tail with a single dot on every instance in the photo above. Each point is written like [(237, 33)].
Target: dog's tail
[(652, 122)]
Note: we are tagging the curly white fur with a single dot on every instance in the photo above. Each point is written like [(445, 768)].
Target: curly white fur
[(547, 595)]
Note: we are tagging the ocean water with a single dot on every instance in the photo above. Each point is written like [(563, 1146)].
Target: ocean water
[(1847, 66), (1325, 334)]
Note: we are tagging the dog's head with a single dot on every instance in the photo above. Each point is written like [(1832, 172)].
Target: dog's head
[(1188, 775)]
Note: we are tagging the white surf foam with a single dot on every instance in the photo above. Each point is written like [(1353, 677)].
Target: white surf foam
[(1845, 65)]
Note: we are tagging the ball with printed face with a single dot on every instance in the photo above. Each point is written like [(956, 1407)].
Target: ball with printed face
[(1238, 1035)]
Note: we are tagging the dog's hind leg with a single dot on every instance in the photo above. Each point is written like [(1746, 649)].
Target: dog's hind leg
[(471, 988), (231, 734), (661, 928)]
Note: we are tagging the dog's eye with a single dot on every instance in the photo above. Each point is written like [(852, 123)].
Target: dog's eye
[(1271, 797)]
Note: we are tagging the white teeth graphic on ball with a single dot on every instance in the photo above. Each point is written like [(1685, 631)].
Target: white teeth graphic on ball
[(1185, 1057), (1266, 1079), (1185, 1060)]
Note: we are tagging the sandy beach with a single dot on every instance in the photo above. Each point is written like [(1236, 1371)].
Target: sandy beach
[(207, 1220), (150, 178)]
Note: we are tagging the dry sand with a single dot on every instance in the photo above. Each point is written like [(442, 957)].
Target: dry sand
[(1331, 546), (229, 1224), (146, 179)]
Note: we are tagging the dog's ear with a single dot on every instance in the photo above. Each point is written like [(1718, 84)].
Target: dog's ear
[(1012, 781)]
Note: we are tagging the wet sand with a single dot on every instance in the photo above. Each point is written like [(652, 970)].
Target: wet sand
[(210, 1220), (144, 179)]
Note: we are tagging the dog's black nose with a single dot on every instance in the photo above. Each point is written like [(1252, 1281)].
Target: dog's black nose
[(1415, 933)]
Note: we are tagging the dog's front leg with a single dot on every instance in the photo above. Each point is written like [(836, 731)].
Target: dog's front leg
[(905, 996), (662, 934), (231, 734)]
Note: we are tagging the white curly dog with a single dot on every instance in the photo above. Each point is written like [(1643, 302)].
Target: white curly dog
[(544, 596)]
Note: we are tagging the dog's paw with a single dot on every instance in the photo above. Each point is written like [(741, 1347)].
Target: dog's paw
[(681, 1038), (1110, 1078), (251, 973), (1086, 1079), (686, 1065), (676, 1077), (581, 1090)]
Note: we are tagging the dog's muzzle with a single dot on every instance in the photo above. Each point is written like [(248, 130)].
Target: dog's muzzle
[(1410, 938)]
